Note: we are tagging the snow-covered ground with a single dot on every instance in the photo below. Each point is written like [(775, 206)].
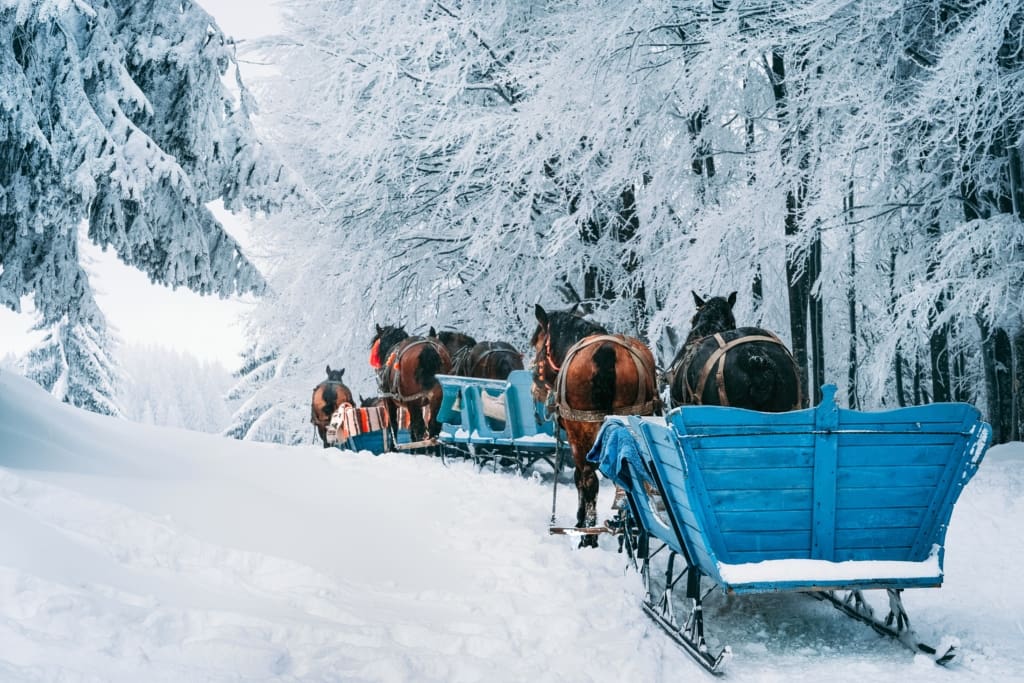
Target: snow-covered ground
[(133, 553)]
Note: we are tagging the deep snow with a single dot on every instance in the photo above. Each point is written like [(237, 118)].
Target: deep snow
[(135, 553)]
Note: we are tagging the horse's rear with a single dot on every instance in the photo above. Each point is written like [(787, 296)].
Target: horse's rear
[(744, 368), (327, 397), (409, 378), (601, 375), (492, 360)]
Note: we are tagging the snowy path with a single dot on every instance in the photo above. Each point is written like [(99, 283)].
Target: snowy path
[(130, 553)]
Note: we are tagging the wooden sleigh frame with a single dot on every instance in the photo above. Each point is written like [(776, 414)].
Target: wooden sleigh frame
[(827, 501)]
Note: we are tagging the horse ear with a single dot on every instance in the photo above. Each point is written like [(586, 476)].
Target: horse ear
[(732, 299), (697, 300), (572, 311), (341, 373), (432, 332), (542, 315), (328, 369), (379, 330)]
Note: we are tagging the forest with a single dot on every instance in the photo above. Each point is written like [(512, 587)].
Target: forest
[(852, 169)]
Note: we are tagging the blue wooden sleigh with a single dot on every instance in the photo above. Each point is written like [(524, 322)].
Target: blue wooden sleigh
[(822, 500), (495, 422)]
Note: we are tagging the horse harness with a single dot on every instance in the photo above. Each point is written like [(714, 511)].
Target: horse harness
[(643, 406), (389, 378), (717, 357)]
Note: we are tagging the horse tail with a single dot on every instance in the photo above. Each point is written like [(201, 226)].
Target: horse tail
[(330, 399), (428, 366), (762, 374), (603, 382)]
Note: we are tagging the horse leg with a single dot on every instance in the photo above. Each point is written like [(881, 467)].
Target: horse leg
[(322, 433), (417, 427), (587, 485)]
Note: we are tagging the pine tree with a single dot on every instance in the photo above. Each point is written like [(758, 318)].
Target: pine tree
[(264, 412), (74, 365), (114, 120)]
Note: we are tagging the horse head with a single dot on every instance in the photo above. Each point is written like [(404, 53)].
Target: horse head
[(713, 315), (335, 375), (458, 346)]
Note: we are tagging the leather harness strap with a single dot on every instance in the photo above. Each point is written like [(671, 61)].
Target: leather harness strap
[(644, 405)]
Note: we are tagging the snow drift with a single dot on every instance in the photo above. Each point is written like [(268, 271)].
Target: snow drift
[(132, 553)]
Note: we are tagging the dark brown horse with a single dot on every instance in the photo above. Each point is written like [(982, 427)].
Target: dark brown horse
[(720, 364), (327, 397), (590, 374), (491, 360), (458, 345), (406, 374), (487, 360)]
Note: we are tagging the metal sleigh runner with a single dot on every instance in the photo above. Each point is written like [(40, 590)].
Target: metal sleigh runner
[(827, 501)]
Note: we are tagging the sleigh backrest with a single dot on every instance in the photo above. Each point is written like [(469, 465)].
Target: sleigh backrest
[(825, 485)]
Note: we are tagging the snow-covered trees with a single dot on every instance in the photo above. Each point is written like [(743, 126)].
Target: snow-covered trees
[(267, 406), (173, 389), (469, 159), (114, 119)]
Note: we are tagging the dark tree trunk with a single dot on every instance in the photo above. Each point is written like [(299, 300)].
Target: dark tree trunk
[(938, 341), (997, 363), (817, 319), (851, 294), (797, 275), (1017, 388), (901, 396)]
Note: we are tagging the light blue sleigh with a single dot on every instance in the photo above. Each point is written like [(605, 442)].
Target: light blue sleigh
[(818, 500)]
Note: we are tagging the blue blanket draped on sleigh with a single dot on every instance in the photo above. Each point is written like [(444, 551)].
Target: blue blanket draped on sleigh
[(616, 445)]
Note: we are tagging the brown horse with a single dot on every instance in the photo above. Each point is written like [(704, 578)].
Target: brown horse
[(327, 397), (406, 374), (720, 364), (458, 346), (491, 360), (487, 360), (590, 374)]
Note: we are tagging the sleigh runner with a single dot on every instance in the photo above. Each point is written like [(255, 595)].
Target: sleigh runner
[(828, 501)]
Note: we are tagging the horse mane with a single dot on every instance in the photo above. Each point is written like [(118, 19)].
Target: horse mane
[(565, 328), (452, 338), (389, 335)]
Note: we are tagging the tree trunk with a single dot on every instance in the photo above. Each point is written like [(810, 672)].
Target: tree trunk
[(852, 399), (796, 261), (817, 319), (997, 362), (1017, 389), (901, 396), (938, 340)]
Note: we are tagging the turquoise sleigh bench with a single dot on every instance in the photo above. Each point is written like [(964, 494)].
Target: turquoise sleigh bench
[(821, 500), (494, 421)]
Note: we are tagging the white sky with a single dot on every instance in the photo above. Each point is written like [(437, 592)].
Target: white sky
[(148, 314)]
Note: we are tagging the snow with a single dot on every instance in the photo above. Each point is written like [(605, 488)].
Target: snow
[(139, 553), (778, 571)]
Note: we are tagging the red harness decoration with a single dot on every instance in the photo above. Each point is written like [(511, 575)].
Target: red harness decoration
[(375, 361)]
